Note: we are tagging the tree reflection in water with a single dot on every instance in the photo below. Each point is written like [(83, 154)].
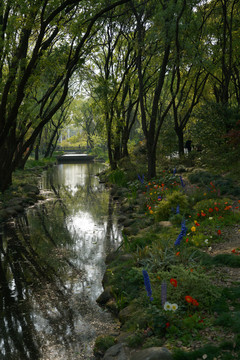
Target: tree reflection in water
[(51, 266)]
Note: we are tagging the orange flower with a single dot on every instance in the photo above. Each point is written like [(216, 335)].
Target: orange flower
[(194, 302), (188, 299), (228, 207), (178, 253), (203, 214), (216, 208), (173, 282)]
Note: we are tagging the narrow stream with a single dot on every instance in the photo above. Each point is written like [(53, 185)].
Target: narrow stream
[(52, 262)]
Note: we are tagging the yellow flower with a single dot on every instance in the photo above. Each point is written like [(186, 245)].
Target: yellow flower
[(151, 212), (193, 228)]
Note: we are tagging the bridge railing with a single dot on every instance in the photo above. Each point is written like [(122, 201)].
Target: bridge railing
[(72, 148)]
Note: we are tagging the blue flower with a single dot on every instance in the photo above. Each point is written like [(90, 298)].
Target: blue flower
[(183, 185), (147, 284), (163, 293), (174, 171), (141, 179), (182, 233), (177, 209)]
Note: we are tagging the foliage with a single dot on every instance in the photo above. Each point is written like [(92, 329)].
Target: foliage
[(222, 186)]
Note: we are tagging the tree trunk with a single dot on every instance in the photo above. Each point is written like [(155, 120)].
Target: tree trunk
[(6, 169), (125, 137), (179, 132), (151, 156)]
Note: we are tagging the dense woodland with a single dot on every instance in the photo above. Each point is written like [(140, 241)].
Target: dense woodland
[(159, 71)]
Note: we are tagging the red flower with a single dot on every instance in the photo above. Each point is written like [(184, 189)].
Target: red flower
[(189, 299), (210, 210), (233, 250), (216, 208), (173, 282), (178, 253), (167, 325), (187, 239), (219, 232), (203, 214)]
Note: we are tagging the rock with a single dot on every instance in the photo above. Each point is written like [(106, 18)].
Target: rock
[(117, 352), (126, 257), (3, 214), (18, 208), (28, 188), (122, 219), (111, 257), (153, 353), (105, 296), (15, 201), (130, 230), (165, 223), (112, 306), (10, 211), (126, 313), (128, 222)]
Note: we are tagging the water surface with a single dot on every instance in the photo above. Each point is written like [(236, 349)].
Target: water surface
[(52, 261)]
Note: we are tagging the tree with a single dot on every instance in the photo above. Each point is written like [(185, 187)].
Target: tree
[(188, 75), (222, 36), (29, 32), (113, 86), (155, 30)]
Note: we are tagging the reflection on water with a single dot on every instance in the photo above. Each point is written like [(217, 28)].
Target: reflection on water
[(51, 267)]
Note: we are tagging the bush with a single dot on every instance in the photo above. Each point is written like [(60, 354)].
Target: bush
[(166, 207)]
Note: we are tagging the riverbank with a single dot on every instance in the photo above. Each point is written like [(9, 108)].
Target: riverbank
[(24, 191), (174, 283)]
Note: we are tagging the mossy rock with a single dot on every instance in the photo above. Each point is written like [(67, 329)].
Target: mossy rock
[(103, 343)]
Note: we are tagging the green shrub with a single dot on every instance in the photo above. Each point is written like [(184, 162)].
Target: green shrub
[(118, 177), (195, 283), (165, 208)]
